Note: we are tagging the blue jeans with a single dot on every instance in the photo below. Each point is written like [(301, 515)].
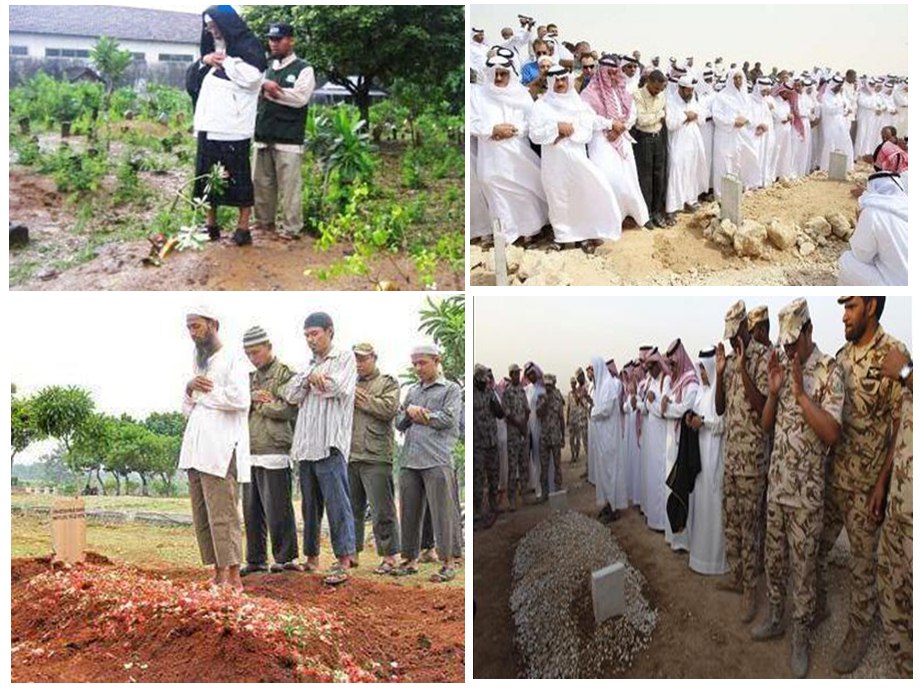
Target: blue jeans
[(324, 484)]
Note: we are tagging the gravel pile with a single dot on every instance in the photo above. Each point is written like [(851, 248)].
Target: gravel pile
[(552, 608)]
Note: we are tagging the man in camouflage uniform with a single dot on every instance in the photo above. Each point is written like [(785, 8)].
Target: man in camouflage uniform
[(551, 411), (895, 548), (517, 413), (486, 408), (741, 386), (758, 322), (804, 406), (869, 421), (577, 417)]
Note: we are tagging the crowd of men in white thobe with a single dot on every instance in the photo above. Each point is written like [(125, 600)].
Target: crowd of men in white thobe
[(556, 131)]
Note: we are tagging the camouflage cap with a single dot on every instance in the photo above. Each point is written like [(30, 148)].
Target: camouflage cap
[(733, 318), (756, 315), (549, 379), (792, 318), (513, 367), (364, 349)]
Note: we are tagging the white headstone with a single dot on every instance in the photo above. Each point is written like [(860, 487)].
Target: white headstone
[(730, 202), (501, 266), (559, 501), (608, 592), (837, 170)]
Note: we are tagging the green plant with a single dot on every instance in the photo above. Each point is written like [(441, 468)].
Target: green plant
[(27, 151), (76, 172)]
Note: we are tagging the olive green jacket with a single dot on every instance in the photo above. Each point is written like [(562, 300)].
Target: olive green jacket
[(372, 429), (271, 425)]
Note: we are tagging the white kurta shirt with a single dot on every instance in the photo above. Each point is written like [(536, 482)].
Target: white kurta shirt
[(688, 168), (218, 422)]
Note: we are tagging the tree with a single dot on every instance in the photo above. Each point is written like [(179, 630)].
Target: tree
[(59, 412), (166, 423), (23, 431), (445, 322), (376, 44), (89, 448), (111, 63)]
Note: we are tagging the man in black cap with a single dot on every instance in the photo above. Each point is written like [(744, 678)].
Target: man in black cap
[(280, 126)]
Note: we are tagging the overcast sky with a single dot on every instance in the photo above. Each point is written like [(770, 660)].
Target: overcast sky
[(131, 350), (562, 333), (869, 38)]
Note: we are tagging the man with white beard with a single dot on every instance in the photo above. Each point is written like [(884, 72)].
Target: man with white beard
[(681, 389), (582, 206), (688, 169), (605, 445), (478, 52), (506, 166), (732, 150), (611, 144), (878, 246), (707, 540), (869, 118), (835, 129), (761, 125), (654, 443)]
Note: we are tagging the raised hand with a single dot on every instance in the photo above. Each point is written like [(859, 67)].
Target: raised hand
[(775, 374)]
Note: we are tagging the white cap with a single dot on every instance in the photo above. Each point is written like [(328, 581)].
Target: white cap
[(203, 312)]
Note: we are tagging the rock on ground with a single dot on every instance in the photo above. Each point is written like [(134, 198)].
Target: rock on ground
[(781, 233), (749, 238), (551, 602)]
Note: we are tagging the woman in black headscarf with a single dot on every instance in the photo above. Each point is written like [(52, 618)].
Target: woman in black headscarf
[(225, 86)]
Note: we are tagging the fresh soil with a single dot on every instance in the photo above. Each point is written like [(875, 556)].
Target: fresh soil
[(680, 255), (699, 633), (104, 622), (270, 264)]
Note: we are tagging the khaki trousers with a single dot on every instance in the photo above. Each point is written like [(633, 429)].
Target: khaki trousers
[(277, 180), (215, 516)]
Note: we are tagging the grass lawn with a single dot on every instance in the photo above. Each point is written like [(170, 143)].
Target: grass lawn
[(133, 504), (152, 547)]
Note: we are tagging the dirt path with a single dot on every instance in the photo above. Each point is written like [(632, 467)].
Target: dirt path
[(699, 633), (679, 255)]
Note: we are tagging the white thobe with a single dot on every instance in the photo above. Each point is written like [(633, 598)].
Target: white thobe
[(802, 146), (606, 449), (654, 457), (868, 123), (707, 540), (900, 100), (782, 127), (582, 205), (642, 411), (878, 250), (478, 53), (673, 415), (619, 167), (688, 170), (706, 128), (534, 393), (508, 170), (218, 421), (732, 150), (835, 130), (480, 221), (764, 143), (631, 453)]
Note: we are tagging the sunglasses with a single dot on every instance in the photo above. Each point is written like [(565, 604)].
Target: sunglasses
[(588, 66), (542, 53)]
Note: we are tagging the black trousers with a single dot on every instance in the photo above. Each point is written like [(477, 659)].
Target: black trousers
[(651, 153), (268, 508)]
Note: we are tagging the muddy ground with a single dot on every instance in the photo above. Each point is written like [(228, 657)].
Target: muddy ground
[(680, 255), (88, 634), (699, 633)]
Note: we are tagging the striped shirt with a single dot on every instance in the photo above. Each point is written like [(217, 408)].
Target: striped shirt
[(432, 444), (325, 417)]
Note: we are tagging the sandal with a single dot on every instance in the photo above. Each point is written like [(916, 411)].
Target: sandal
[(587, 247), (384, 568), (213, 232), (404, 569), (337, 576), (445, 574)]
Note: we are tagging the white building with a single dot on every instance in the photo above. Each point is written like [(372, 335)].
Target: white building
[(70, 31)]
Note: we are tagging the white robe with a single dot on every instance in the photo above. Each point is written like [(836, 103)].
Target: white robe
[(534, 393), (707, 540), (654, 457), (478, 53), (878, 246), (782, 127), (502, 436), (764, 143), (900, 100), (631, 452), (835, 130), (732, 149), (642, 411), (605, 444), (508, 170), (676, 410), (802, 146), (688, 169), (706, 128), (868, 123), (582, 205), (480, 220)]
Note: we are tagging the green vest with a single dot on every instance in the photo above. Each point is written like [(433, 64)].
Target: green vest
[(278, 123)]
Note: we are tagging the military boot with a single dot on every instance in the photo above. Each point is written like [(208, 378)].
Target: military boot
[(852, 651), (748, 605), (771, 627), (798, 660)]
